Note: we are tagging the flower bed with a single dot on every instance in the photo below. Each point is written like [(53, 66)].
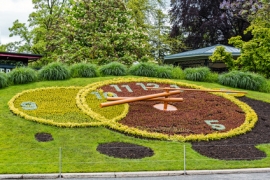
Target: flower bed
[(202, 116)]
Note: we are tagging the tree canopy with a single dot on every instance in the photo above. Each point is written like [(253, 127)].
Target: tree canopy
[(255, 53), (208, 22)]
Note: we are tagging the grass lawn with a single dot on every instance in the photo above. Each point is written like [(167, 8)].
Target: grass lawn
[(75, 148)]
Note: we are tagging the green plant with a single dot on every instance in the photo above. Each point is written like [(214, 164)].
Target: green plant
[(3, 80), (211, 77), (265, 87), (54, 71), (83, 70), (22, 75), (113, 69), (197, 74), (164, 72), (144, 69), (178, 73), (245, 80)]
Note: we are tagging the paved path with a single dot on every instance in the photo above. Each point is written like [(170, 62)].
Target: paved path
[(234, 174)]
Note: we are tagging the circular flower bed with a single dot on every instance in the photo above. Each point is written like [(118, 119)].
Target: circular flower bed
[(201, 116)]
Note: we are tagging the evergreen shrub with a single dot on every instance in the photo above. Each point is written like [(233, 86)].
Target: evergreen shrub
[(22, 75), (83, 70), (197, 74), (113, 69), (244, 80), (54, 71), (144, 69), (3, 80)]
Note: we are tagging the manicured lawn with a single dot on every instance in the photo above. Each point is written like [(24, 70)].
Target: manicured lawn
[(76, 147)]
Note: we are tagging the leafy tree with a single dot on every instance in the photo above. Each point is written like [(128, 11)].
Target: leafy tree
[(37, 36), (100, 32), (255, 53), (221, 55), (205, 22)]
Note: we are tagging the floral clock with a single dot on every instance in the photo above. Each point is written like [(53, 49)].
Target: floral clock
[(201, 115)]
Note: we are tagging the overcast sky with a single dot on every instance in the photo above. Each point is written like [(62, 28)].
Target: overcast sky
[(10, 10)]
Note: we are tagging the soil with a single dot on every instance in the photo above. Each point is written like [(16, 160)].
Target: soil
[(43, 137), (236, 148), (125, 150), (240, 147), (188, 119)]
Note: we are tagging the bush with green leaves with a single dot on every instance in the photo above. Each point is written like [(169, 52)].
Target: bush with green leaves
[(197, 74), (84, 70), (22, 75), (164, 72), (113, 69), (244, 80), (3, 80), (54, 71), (212, 77), (178, 73), (144, 69)]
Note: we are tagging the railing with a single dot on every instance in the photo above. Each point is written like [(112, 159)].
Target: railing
[(88, 159)]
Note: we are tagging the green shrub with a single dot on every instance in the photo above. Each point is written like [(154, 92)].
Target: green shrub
[(113, 69), (244, 80), (164, 72), (178, 73), (22, 75), (54, 71), (211, 77), (144, 69), (265, 87), (3, 80), (127, 60), (197, 74), (83, 70)]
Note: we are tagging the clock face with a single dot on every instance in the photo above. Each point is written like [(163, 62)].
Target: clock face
[(201, 115), (198, 113)]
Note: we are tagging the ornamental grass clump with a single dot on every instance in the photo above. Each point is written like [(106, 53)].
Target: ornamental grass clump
[(22, 75), (83, 70), (244, 80), (3, 80), (144, 69), (164, 72), (54, 71), (113, 69), (197, 74)]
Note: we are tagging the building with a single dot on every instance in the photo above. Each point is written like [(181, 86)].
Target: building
[(200, 57), (10, 60)]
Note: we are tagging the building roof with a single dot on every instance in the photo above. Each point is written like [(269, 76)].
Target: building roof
[(19, 56), (197, 54)]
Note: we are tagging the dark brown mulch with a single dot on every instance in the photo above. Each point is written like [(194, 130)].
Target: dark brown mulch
[(43, 137), (188, 119), (241, 147), (125, 150)]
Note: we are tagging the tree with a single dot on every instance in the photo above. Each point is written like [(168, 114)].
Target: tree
[(255, 53), (100, 32), (220, 54), (37, 36), (204, 22)]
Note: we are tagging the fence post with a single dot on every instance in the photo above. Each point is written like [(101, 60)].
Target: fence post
[(185, 159), (60, 162)]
